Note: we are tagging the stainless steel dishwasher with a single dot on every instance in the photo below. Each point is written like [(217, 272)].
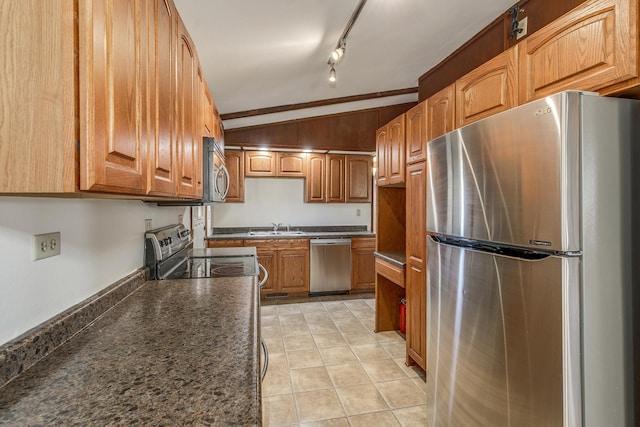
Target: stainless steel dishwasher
[(330, 266)]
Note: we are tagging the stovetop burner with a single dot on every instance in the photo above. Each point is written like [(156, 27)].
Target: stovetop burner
[(169, 255)]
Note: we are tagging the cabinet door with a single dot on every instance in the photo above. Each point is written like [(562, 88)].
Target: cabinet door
[(441, 114), (358, 179), (335, 178), (315, 185), (416, 296), (268, 260), (291, 164), (260, 163), (38, 96), (208, 123), (416, 262), (234, 161), (489, 89), (293, 267), (382, 136), (162, 87), (363, 270), (113, 151), (187, 97), (590, 48), (396, 151), (416, 138)]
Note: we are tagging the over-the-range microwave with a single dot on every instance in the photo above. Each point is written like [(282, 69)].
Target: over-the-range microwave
[(215, 177)]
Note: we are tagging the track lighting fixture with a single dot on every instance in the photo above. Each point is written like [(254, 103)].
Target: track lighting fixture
[(338, 52)]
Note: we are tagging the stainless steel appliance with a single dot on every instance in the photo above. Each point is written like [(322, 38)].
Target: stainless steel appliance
[(169, 254), (330, 266), (531, 245), (215, 177), (215, 174)]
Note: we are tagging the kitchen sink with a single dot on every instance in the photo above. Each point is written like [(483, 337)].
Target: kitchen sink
[(276, 233)]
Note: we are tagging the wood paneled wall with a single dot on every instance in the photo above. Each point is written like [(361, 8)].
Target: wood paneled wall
[(491, 41), (353, 131)]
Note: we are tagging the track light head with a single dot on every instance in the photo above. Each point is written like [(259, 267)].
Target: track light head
[(336, 55), (332, 74)]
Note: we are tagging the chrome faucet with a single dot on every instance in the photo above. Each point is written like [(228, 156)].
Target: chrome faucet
[(276, 226)]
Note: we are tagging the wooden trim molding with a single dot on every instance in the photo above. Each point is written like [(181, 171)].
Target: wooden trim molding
[(320, 103)]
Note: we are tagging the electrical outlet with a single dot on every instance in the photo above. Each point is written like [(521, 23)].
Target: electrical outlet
[(358, 212), (180, 219), (522, 27), (147, 224), (45, 245)]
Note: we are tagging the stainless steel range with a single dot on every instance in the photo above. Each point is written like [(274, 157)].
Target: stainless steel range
[(169, 254)]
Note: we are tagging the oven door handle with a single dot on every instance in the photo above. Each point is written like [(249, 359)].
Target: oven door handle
[(265, 277), (265, 364)]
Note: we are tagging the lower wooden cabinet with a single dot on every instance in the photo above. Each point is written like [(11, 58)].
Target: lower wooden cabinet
[(363, 270), (416, 255), (287, 262), (235, 243)]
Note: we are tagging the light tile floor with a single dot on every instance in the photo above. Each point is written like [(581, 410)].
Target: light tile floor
[(328, 368)]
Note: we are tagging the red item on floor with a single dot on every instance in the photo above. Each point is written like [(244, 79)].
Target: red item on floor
[(403, 316)]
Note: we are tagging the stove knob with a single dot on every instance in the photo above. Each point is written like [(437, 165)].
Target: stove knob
[(170, 239), (166, 241), (161, 243)]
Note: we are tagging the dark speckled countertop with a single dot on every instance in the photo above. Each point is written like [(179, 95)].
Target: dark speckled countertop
[(297, 232), (174, 352)]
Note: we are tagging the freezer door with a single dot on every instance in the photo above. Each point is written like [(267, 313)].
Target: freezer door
[(512, 178), (502, 339)]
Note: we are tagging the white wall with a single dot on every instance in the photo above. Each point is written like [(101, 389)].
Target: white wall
[(281, 200), (102, 242)]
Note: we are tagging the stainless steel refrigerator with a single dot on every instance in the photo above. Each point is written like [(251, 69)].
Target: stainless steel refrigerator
[(531, 246)]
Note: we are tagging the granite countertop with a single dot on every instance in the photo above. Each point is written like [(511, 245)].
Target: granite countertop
[(308, 232), (174, 352)]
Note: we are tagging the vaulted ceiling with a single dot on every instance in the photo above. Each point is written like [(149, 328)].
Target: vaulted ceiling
[(264, 53)]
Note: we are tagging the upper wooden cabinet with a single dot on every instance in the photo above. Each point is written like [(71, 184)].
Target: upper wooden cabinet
[(338, 178), (275, 164), (593, 47), (162, 92), (382, 143), (104, 110), (441, 113), (335, 173), (291, 164), (187, 99), (315, 187), (113, 80), (488, 89), (234, 161), (358, 179), (417, 133), (390, 148), (260, 163)]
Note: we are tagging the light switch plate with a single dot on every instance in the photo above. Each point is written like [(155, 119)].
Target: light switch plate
[(147, 224), (45, 245)]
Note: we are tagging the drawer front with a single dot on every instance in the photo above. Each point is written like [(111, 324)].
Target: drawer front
[(390, 271)]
